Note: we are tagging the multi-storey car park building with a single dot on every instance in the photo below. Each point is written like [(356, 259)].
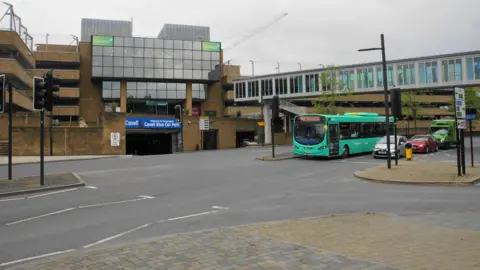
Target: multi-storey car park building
[(124, 86)]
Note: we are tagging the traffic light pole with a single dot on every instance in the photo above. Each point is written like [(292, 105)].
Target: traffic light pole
[(42, 173), (51, 133), (471, 141), (10, 125), (272, 134)]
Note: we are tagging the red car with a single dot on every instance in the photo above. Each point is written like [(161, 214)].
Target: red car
[(423, 144)]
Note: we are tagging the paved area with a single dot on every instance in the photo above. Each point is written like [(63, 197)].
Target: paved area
[(421, 172), (131, 199), (358, 241), (36, 159), (278, 156), (33, 183)]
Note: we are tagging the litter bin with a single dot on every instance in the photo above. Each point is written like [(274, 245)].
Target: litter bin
[(408, 151)]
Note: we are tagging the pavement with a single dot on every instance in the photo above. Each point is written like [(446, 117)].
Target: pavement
[(32, 184), (422, 173), (36, 159), (128, 201)]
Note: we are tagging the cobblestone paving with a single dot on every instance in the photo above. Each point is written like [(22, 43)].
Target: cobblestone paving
[(219, 249), (390, 240)]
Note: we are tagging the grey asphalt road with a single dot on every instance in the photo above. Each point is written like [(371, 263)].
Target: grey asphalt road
[(182, 189)]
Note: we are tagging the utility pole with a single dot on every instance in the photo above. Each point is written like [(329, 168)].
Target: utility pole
[(300, 65), (278, 67), (10, 127)]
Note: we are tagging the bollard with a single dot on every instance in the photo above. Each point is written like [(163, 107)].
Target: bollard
[(408, 151)]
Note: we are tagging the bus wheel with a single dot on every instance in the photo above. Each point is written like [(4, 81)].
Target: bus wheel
[(345, 152)]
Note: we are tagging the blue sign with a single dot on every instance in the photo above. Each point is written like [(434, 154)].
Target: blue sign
[(470, 116), (152, 123)]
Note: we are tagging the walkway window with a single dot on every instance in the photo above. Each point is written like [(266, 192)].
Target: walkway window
[(240, 90), (296, 85), (347, 79), (266, 87), (406, 74), (365, 78), (452, 70), (428, 72), (380, 76), (312, 84), (281, 86), (473, 68)]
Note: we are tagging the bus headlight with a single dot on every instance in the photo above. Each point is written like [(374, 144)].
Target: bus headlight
[(442, 139), (322, 147)]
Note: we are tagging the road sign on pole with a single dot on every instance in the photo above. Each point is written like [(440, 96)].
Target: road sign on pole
[(204, 123), (114, 139), (462, 124)]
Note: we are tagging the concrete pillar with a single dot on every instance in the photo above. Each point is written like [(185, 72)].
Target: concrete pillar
[(267, 114), (123, 96), (285, 123), (188, 101)]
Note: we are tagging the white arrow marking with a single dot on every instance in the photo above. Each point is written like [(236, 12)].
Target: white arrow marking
[(220, 207), (13, 199), (36, 257), (146, 197), (51, 193), (140, 198), (91, 187), (117, 235)]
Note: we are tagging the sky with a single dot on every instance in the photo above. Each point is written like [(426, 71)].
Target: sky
[(314, 32)]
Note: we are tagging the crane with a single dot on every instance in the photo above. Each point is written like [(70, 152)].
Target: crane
[(255, 31)]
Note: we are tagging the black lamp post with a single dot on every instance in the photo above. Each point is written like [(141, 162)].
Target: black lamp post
[(385, 90)]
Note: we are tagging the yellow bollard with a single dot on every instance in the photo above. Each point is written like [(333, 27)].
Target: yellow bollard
[(408, 151)]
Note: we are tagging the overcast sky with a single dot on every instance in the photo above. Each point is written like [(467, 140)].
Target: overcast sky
[(314, 31)]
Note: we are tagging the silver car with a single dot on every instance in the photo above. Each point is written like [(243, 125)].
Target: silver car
[(380, 149)]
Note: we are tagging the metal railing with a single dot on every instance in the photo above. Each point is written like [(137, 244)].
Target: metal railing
[(290, 107)]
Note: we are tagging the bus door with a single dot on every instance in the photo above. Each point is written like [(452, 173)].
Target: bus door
[(334, 139)]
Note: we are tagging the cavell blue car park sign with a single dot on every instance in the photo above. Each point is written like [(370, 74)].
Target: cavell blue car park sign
[(152, 123)]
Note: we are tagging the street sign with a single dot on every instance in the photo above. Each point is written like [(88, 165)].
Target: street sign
[(471, 116), (114, 139), (459, 93), (462, 124), (460, 103), (204, 123)]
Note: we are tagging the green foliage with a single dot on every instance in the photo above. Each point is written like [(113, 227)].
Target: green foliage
[(334, 89), (471, 100), (412, 105)]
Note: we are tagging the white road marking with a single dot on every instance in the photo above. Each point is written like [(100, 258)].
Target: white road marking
[(116, 236), (193, 215), (140, 198), (13, 199), (91, 187), (360, 162), (36, 257), (44, 215), (220, 207), (51, 193)]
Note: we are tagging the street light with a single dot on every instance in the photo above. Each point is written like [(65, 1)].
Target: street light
[(278, 67), (300, 65), (385, 92), (253, 67)]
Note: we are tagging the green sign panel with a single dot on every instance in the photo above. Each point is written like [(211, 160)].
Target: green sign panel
[(102, 41), (211, 46)]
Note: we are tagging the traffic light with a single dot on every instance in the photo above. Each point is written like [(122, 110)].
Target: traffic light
[(275, 107), (178, 113), (52, 89), (2, 95), (39, 93)]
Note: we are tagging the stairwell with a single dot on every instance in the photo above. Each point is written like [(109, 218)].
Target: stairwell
[(292, 108)]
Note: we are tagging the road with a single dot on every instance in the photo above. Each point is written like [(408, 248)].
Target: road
[(141, 197)]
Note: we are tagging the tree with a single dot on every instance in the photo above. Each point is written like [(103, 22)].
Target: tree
[(472, 100), (333, 89), (412, 104)]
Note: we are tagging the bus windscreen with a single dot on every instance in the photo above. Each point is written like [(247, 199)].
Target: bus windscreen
[(309, 130)]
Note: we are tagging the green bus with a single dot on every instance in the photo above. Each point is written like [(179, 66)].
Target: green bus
[(320, 135), (444, 131)]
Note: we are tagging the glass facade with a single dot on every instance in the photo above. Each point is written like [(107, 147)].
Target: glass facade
[(389, 76), (296, 84), (452, 70), (406, 74), (281, 86), (365, 78), (147, 58), (312, 84), (152, 90), (266, 86), (253, 89), (347, 79), (240, 90)]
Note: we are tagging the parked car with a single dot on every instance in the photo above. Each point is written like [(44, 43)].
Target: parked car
[(423, 144), (380, 149), (246, 143)]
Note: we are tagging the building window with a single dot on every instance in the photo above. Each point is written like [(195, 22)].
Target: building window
[(452, 70), (428, 72), (346, 79), (473, 68), (296, 84), (365, 78), (240, 90), (266, 87), (389, 76), (312, 83), (406, 74)]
